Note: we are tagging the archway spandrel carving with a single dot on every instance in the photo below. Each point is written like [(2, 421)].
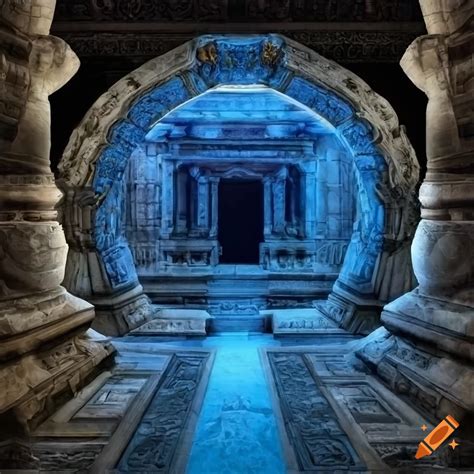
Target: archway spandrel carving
[(328, 105)]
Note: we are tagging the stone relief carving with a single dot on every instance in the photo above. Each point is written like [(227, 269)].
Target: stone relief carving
[(154, 445), (299, 395), (319, 323), (346, 46), (32, 258), (233, 308), (270, 54), (141, 10), (368, 125), (207, 53), (219, 10)]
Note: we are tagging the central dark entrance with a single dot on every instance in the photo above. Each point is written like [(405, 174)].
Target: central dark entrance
[(240, 220)]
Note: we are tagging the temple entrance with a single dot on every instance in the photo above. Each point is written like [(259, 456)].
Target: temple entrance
[(240, 221), (159, 149)]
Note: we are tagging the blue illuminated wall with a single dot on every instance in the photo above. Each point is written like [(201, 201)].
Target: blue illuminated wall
[(241, 60)]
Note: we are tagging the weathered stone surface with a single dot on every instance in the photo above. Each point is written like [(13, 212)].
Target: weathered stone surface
[(32, 382), (28, 322), (446, 325), (157, 220), (434, 382), (45, 357), (331, 407), (175, 322), (90, 432), (302, 321), (429, 353)]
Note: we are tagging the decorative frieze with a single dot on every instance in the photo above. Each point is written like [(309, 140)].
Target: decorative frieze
[(248, 10), (345, 46)]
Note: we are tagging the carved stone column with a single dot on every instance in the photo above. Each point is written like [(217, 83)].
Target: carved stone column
[(279, 199), (308, 185), (321, 200), (167, 199), (182, 201), (214, 207), (45, 353), (267, 207), (203, 204), (429, 352)]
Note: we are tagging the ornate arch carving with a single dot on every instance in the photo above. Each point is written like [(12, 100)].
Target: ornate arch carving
[(387, 169)]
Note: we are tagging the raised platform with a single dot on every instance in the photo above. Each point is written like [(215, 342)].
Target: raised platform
[(138, 417), (175, 322), (235, 295), (334, 416), (302, 322)]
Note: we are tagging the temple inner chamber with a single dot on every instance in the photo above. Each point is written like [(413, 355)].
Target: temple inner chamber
[(241, 183)]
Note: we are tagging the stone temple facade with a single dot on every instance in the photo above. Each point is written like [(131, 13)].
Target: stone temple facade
[(246, 184), (335, 172)]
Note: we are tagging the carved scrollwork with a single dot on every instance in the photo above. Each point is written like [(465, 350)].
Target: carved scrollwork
[(271, 54), (207, 54)]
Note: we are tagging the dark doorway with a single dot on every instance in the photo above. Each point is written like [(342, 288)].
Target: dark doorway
[(240, 220)]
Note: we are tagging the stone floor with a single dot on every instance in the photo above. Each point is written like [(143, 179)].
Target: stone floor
[(237, 430), (236, 403)]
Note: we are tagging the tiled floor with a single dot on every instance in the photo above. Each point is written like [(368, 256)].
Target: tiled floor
[(236, 431)]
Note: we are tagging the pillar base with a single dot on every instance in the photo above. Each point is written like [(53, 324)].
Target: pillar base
[(426, 353), (354, 314), (28, 322), (46, 355), (37, 383), (446, 325), (117, 315)]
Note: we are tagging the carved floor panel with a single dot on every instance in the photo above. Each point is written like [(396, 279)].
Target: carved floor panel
[(333, 417), (139, 417)]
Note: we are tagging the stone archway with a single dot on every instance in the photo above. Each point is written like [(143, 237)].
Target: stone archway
[(100, 266)]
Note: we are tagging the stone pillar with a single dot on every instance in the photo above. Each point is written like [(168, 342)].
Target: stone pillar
[(279, 201), (181, 201), (45, 353), (267, 207), (167, 199), (308, 185), (203, 204), (428, 352), (321, 197), (214, 207)]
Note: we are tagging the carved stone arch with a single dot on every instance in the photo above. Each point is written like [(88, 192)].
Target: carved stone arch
[(99, 149)]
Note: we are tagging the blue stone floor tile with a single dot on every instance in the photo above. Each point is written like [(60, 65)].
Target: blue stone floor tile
[(236, 431)]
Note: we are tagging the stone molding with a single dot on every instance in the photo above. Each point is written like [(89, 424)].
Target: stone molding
[(339, 45), (247, 10)]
